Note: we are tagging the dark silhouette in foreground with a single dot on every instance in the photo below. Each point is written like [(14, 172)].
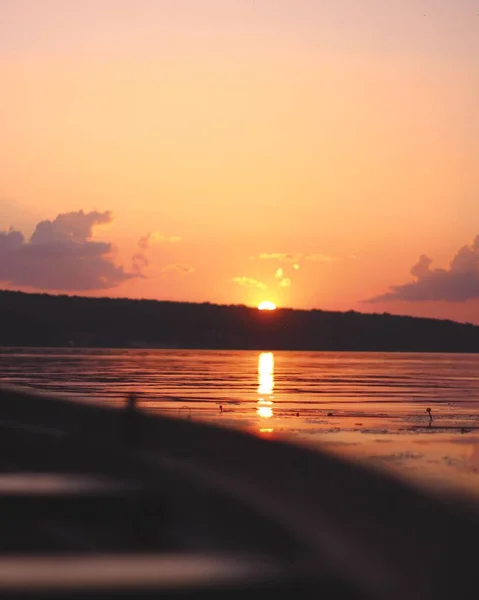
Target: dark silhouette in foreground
[(45, 320), (206, 512), (131, 426)]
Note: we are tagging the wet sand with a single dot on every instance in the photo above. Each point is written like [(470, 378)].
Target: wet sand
[(442, 454)]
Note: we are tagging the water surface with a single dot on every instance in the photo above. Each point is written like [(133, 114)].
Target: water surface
[(370, 406)]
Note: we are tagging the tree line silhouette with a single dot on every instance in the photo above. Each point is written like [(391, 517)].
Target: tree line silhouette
[(59, 320)]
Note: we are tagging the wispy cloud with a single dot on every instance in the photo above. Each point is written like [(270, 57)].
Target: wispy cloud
[(279, 273), (286, 282), (295, 257), (170, 239), (458, 283), (155, 237), (178, 268), (281, 256), (249, 282), (140, 262)]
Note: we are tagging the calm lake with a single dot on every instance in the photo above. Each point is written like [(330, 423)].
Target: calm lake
[(367, 406)]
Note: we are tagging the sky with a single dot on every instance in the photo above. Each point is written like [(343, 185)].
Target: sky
[(313, 154)]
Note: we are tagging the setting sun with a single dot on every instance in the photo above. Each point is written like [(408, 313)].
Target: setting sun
[(266, 305)]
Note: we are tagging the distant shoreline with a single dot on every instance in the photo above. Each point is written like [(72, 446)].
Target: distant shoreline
[(42, 320), (196, 349)]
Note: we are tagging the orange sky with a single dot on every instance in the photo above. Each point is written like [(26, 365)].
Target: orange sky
[(344, 133)]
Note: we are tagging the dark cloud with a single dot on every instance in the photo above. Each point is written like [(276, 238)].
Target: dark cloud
[(458, 283), (70, 227), (61, 255)]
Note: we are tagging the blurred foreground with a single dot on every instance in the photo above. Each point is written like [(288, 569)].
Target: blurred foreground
[(107, 502)]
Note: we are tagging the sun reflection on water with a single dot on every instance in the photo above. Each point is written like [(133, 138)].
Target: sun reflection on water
[(265, 384), (265, 411)]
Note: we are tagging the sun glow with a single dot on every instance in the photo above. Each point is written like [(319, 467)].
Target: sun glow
[(266, 305)]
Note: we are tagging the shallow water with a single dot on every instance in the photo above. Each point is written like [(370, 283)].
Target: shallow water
[(369, 406)]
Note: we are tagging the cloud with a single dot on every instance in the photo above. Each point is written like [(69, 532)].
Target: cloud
[(296, 267), (319, 257), (60, 255), (458, 283), (296, 257), (282, 256), (171, 239), (279, 273), (155, 237), (140, 262), (178, 268), (249, 282), (76, 227), (144, 242), (286, 282)]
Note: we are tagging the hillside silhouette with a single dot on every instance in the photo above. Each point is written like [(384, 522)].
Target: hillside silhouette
[(48, 320)]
